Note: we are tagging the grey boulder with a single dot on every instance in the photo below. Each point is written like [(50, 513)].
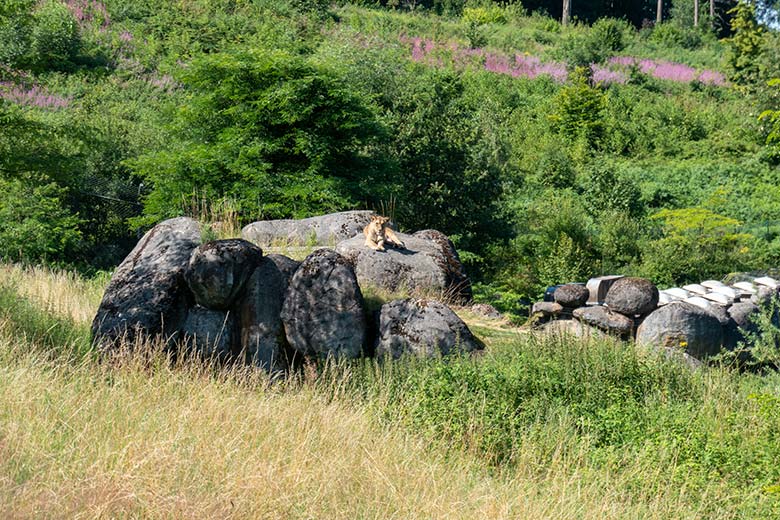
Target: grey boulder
[(259, 315), (218, 270), (684, 327), (210, 333), (571, 295), (323, 230), (573, 328), (605, 319), (740, 323), (287, 266), (147, 295), (424, 328), (632, 296), (323, 312), (428, 266)]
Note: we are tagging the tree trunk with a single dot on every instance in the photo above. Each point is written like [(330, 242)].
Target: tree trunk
[(695, 13), (566, 12), (712, 12), (659, 12)]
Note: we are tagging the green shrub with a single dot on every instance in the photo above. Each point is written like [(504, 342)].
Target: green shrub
[(34, 224), (673, 35), (609, 34), (579, 110), (483, 15), (55, 39)]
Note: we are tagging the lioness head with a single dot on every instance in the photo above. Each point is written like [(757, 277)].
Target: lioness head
[(379, 220)]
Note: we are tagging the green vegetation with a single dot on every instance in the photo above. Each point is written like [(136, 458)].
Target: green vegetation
[(548, 153)]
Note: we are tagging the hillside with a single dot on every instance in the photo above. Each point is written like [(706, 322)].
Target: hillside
[(547, 152)]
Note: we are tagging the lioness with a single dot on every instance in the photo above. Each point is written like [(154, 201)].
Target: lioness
[(378, 232)]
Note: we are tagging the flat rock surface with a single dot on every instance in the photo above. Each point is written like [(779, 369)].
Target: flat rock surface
[(147, 294), (323, 312), (424, 328), (323, 230), (425, 267)]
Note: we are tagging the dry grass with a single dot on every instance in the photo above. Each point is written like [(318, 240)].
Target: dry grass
[(104, 442), (134, 440)]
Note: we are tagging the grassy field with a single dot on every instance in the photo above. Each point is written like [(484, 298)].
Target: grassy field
[(535, 428)]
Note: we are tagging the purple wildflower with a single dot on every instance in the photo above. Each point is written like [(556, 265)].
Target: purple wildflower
[(33, 96)]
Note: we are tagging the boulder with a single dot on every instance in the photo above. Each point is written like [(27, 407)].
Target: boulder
[(763, 295), (287, 266), (323, 230), (684, 327), (424, 328), (573, 328), (323, 312), (486, 311), (218, 270), (457, 280), (632, 296), (147, 294), (428, 265), (259, 315), (210, 333), (571, 295), (739, 323), (605, 319), (546, 309)]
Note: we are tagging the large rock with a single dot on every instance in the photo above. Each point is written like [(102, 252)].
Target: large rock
[(684, 327), (457, 281), (740, 323), (210, 333), (323, 310), (218, 270), (323, 230), (287, 266), (571, 295), (429, 265), (147, 294), (259, 315), (632, 296), (424, 328), (605, 319), (572, 328)]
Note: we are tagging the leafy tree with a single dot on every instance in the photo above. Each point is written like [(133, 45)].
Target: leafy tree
[(444, 182), (579, 111), (745, 45), (772, 117), (278, 133)]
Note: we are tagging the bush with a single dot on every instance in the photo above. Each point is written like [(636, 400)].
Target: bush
[(579, 110), (34, 224), (673, 35), (55, 40), (483, 15), (608, 34)]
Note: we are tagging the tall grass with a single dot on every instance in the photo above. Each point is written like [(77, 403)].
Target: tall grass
[(535, 428)]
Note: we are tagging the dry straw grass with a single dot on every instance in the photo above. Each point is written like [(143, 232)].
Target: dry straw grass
[(151, 440)]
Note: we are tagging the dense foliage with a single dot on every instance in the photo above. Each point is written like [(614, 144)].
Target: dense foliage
[(548, 153)]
